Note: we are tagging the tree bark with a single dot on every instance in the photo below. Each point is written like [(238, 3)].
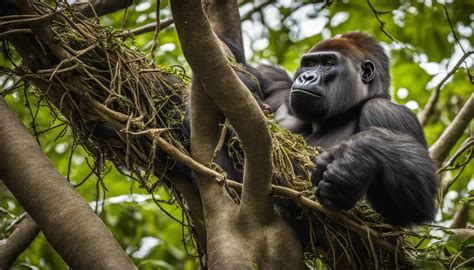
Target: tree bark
[(250, 234), (67, 221)]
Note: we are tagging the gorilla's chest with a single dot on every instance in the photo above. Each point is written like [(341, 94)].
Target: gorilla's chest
[(326, 136)]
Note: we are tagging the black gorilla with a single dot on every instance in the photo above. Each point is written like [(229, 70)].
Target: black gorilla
[(340, 101)]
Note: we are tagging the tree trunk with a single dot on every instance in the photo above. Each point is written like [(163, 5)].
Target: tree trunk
[(67, 221)]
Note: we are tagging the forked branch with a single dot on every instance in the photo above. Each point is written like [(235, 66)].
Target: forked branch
[(209, 63), (429, 108)]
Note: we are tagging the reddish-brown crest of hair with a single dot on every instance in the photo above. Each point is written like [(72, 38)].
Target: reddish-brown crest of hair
[(359, 47)]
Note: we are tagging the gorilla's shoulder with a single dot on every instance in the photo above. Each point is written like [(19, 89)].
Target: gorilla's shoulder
[(381, 112)]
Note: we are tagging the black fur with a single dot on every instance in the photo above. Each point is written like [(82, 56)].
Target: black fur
[(8, 7), (375, 148)]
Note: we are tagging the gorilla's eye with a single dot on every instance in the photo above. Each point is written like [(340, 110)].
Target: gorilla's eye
[(329, 63), (310, 64)]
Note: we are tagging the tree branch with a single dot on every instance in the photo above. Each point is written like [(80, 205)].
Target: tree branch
[(231, 246), (156, 32), (42, 32), (381, 23), (428, 110), (23, 234), (147, 28), (66, 220), (447, 179), (207, 60), (205, 133), (461, 217), (440, 149)]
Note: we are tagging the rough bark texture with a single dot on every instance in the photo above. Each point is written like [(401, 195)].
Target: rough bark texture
[(67, 221), (251, 234)]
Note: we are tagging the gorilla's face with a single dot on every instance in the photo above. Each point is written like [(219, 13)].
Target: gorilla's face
[(327, 84)]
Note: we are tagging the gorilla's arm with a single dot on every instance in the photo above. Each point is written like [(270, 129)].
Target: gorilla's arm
[(387, 160)]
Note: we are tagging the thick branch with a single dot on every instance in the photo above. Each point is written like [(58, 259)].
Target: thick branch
[(23, 234), (440, 149), (207, 60), (205, 133), (428, 110), (66, 220)]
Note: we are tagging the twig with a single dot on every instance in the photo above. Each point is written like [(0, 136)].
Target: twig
[(446, 179), (381, 23), (463, 263), (428, 110), (101, 108), (452, 28), (155, 34), (28, 20), (17, 17), (221, 141), (469, 142), (42, 31), (154, 134), (15, 31), (146, 28)]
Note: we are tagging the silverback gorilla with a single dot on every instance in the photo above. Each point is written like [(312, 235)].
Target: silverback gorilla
[(340, 100)]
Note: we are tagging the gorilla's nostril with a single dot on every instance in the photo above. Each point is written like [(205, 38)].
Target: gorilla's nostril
[(309, 77)]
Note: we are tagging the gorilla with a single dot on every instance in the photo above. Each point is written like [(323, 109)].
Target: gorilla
[(339, 100)]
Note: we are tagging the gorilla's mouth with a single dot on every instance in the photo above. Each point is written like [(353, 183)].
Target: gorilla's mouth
[(304, 91)]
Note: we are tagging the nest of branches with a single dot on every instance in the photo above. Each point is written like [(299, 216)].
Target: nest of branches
[(123, 108)]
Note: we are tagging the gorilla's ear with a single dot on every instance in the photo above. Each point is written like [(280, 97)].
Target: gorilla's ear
[(368, 71)]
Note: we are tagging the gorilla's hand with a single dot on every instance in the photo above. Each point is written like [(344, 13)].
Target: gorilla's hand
[(341, 176)]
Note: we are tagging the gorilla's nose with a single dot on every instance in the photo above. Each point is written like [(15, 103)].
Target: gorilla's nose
[(309, 77)]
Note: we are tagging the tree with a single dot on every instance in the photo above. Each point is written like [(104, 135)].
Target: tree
[(86, 72)]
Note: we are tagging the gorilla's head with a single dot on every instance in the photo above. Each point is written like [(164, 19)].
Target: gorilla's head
[(337, 74)]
